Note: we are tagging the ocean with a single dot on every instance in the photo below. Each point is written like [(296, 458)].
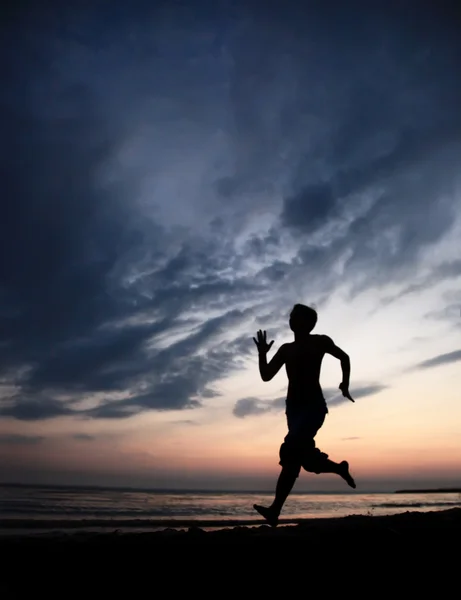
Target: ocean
[(38, 509)]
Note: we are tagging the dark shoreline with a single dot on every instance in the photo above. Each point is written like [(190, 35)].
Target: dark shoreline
[(392, 549), (431, 491), (157, 525), (411, 526)]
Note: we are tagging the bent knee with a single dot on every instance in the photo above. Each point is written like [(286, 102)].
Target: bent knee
[(289, 459), (314, 461)]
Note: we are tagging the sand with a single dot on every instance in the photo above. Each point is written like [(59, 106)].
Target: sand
[(409, 527), (409, 555)]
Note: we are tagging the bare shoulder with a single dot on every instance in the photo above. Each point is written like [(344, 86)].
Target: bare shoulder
[(286, 349), (326, 341), (330, 347)]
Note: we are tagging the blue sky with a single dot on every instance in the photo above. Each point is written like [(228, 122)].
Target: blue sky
[(177, 176)]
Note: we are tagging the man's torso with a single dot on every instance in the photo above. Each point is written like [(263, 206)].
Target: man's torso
[(303, 364)]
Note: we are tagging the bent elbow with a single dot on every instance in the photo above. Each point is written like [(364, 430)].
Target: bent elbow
[(266, 376)]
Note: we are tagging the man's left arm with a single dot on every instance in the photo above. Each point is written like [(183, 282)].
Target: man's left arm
[(343, 357)]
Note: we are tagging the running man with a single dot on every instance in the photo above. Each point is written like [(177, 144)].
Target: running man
[(306, 408)]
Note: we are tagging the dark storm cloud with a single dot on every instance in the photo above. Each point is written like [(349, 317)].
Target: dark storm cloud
[(20, 440), (76, 318), (416, 206), (179, 376), (369, 124), (33, 407), (62, 234), (441, 359), (310, 208), (91, 289)]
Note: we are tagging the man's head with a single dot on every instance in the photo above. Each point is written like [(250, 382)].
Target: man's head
[(302, 319)]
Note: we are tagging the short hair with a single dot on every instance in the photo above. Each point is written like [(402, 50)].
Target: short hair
[(306, 316)]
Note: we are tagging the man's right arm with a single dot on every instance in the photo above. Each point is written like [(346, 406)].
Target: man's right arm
[(334, 350), (268, 371)]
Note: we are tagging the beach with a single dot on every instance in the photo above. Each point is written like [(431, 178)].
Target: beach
[(88, 532), (405, 552), (409, 527)]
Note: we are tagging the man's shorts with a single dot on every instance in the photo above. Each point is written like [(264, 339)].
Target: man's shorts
[(298, 449)]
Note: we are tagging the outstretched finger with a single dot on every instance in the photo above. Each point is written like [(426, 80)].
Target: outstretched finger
[(270, 345)]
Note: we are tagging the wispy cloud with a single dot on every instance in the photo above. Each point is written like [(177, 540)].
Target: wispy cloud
[(253, 406), (334, 397), (20, 440), (439, 360), (446, 270)]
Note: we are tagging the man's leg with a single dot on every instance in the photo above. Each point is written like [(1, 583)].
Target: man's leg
[(318, 462), (341, 469), (285, 483), (291, 467), (314, 460)]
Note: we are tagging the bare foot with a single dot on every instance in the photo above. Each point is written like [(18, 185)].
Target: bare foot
[(271, 517), (344, 472)]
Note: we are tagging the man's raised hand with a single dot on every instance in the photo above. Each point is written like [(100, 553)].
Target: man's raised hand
[(261, 342)]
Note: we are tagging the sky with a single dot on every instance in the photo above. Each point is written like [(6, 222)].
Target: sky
[(176, 176)]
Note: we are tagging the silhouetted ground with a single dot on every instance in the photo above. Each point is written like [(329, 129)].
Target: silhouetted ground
[(360, 555), (409, 527)]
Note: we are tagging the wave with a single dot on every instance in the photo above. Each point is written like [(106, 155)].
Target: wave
[(79, 512), (132, 523), (416, 504)]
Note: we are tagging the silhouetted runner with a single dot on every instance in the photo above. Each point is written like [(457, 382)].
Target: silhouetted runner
[(306, 408)]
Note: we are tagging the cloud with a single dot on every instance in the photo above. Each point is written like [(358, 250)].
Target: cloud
[(363, 141), (20, 440), (361, 391), (150, 219), (310, 208), (83, 437), (253, 406), (450, 311), (386, 151), (79, 315), (441, 359), (446, 270), (33, 407)]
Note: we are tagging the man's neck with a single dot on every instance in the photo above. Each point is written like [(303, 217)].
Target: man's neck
[(301, 337)]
